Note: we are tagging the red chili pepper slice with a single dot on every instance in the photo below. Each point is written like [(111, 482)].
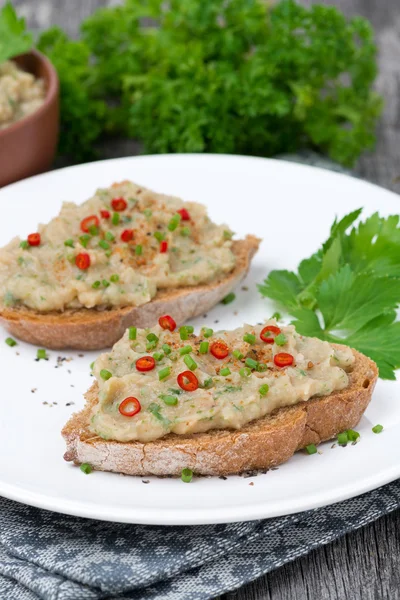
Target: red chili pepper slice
[(283, 359), (82, 261), (184, 214), (129, 407), (188, 381), (89, 222), (119, 204), (163, 247), (219, 349), (34, 239), (167, 322), (127, 235), (145, 363), (269, 329), (105, 214)]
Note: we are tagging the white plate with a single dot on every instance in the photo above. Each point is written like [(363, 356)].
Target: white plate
[(292, 208)]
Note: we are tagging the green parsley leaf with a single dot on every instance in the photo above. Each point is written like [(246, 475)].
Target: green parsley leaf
[(14, 38)]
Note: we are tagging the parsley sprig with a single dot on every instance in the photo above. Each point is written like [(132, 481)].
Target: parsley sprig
[(14, 39), (349, 290)]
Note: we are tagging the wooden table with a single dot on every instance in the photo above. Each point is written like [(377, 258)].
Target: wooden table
[(364, 565)]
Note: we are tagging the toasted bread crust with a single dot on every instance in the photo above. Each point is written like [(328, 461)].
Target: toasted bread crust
[(91, 329), (261, 444)]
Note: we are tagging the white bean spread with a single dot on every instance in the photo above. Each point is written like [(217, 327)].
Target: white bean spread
[(156, 381)]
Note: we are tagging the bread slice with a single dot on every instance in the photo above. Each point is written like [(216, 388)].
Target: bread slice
[(92, 329), (261, 444)]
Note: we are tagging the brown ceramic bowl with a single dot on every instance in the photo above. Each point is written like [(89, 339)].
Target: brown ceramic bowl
[(28, 146)]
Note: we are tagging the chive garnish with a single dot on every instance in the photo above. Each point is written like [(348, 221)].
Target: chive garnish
[(132, 333), (41, 354), (185, 231), (207, 332), (84, 239), (311, 449), (228, 234), (169, 400), (237, 354), (280, 339), (228, 299), (115, 218), (164, 373), (250, 362), (24, 244), (203, 349), (185, 350), (86, 468), (104, 374), (264, 389), (114, 278), (187, 475), (147, 213), (207, 383), (342, 438), (158, 356), (225, 371), (174, 222), (352, 435), (96, 284), (189, 328), (109, 236), (150, 346), (261, 367), (103, 244), (105, 283), (152, 337), (93, 230), (11, 342), (139, 250), (377, 428), (245, 372), (183, 332), (159, 236), (92, 366), (69, 242), (250, 338), (190, 363), (167, 349)]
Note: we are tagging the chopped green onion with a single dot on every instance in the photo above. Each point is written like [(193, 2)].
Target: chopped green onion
[(152, 337), (159, 236), (190, 363), (174, 222), (109, 236), (108, 253), (237, 354), (169, 400), (249, 338), (166, 348), (261, 367), (245, 372), (150, 346), (86, 468), (41, 354), (342, 438), (225, 372), (187, 475), (207, 332), (228, 234), (96, 284), (92, 366), (24, 244), (208, 383), (104, 374), (189, 328), (158, 356), (185, 231), (93, 230), (185, 350), (164, 373), (103, 244), (277, 316), (69, 242), (352, 435), (264, 389), (311, 449), (11, 342), (84, 239), (183, 332), (139, 250), (203, 349), (250, 362), (132, 333), (147, 213), (105, 283), (114, 278), (377, 428), (228, 299), (115, 218), (280, 339)]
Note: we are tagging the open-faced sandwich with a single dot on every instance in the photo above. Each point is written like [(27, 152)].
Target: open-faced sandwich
[(217, 403), (121, 258)]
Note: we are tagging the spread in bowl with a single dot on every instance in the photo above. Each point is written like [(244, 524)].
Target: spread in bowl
[(21, 93), (163, 380), (116, 249)]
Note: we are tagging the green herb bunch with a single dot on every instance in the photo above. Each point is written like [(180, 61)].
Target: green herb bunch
[(234, 77), (349, 290), (14, 38)]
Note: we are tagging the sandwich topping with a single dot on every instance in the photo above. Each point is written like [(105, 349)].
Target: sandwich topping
[(116, 249), (164, 380)]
